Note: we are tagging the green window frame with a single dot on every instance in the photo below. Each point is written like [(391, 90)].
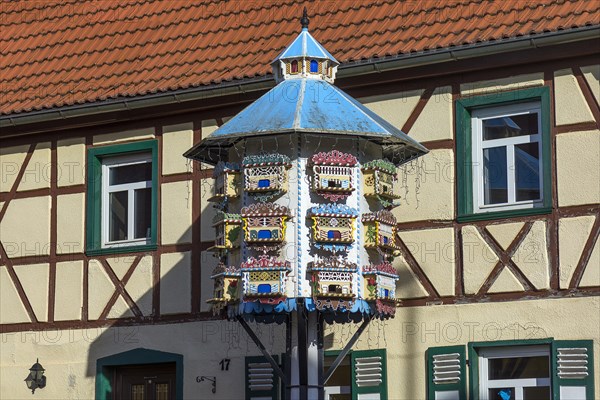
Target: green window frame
[(464, 147), (272, 393), (93, 233)]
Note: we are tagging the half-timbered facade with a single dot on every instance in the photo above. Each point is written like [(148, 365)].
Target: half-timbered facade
[(106, 229)]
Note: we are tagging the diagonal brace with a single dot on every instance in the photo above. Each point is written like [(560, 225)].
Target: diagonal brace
[(345, 351), (261, 347)]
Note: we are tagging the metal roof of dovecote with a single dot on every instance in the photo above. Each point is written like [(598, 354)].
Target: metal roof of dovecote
[(310, 106)]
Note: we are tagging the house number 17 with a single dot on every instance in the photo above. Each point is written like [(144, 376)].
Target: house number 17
[(225, 364)]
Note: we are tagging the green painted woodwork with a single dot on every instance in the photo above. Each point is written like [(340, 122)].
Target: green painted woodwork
[(460, 386), (464, 108), (382, 387), (139, 356), (588, 382), (93, 234), (250, 394)]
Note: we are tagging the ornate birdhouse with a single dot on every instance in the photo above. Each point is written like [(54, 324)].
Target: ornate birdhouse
[(380, 286), (226, 286), (380, 230), (227, 181), (265, 175), (228, 227), (331, 279), (333, 174), (265, 279), (378, 180), (264, 224), (333, 224)]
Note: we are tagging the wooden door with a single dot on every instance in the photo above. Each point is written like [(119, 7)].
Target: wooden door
[(145, 382)]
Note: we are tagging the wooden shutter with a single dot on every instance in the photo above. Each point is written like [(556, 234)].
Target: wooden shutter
[(261, 381), (369, 375), (573, 370), (446, 373)]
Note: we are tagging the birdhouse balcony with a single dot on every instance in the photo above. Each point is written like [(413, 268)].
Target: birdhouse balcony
[(332, 278), (264, 223), (380, 230), (333, 223), (379, 177), (266, 174), (227, 181), (228, 227), (333, 174), (226, 284), (265, 279)]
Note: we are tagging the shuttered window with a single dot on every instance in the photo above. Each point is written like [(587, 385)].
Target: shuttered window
[(369, 381), (573, 365), (261, 380), (446, 371)]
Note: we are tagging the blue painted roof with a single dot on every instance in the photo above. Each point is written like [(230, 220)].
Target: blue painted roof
[(311, 106), (305, 46)]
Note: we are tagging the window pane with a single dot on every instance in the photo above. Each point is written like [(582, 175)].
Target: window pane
[(502, 394), (137, 392), (117, 216), (519, 367), (536, 393), (162, 391), (143, 216), (141, 172), (527, 168), (515, 125), (495, 181)]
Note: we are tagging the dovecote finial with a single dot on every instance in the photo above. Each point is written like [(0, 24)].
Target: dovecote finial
[(304, 21)]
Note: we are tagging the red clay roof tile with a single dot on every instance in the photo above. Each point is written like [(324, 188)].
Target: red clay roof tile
[(68, 52)]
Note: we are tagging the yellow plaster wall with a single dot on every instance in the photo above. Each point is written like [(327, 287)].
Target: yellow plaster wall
[(394, 108), (38, 172), (516, 82), (69, 291), (177, 139), (208, 211), (570, 105), (505, 233), (591, 274), (532, 256), (100, 289), (426, 187), (139, 286), (592, 76), (434, 251), (25, 228), (207, 264), (578, 168), (115, 137), (506, 282), (435, 121), (70, 155), (415, 329), (478, 259), (408, 285), (34, 279), (70, 221), (176, 212), (175, 283), (11, 161), (572, 236), (12, 310)]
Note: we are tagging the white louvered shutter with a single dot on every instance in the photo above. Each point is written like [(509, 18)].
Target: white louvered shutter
[(573, 369), (446, 373), (369, 375), (261, 380)]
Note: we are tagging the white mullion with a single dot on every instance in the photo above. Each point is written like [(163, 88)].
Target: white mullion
[(511, 174), (104, 229), (518, 392), (130, 214)]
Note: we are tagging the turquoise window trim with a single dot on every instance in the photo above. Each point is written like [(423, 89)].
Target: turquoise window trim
[(139, 356), (473, 352), (464, 108), (93, 234)]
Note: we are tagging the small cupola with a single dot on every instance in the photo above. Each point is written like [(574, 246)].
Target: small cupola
[(305, 58)]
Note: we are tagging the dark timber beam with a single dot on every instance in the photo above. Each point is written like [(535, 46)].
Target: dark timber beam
[(345, 351), (262, 348)]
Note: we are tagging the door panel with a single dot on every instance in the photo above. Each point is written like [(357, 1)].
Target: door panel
[(145, 382)]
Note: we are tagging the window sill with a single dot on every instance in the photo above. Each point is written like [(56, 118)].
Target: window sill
[(503, 214), (121, 250)]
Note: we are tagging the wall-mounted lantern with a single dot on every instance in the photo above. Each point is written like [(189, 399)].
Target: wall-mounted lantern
[(36, 378)]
